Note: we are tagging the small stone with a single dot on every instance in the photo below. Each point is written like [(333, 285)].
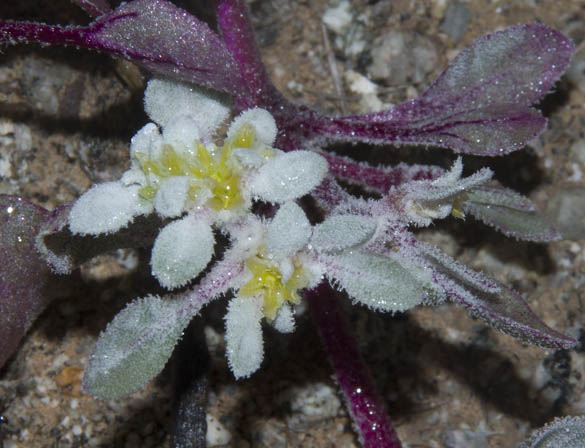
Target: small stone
[(315, 401), (338, 17), (567, 212), (399, 58), (217, 434), (457, 18)]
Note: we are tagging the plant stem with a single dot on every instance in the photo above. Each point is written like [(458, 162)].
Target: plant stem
[(365, 405)]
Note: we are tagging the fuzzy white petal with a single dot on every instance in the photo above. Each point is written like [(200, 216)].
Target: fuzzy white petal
[(106, 208), (285, 320), (288, 232), (244, 344), (289, 176), (342, 231), (147, 141), (248, 157), (170, 198), (262, 121), (164, 100), (182, 133), (134, 176), (181, 251)]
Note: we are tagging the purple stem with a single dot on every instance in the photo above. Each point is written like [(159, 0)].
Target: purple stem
[(363, 401), (23, 32), (238, 36)]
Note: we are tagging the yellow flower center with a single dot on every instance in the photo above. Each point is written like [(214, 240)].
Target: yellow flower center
[(214, 171), (267, 282)]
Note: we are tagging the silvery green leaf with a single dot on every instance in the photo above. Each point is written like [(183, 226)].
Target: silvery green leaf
[(567, 432), (342, 231), (135, 346), (509, 212), (378, 282)]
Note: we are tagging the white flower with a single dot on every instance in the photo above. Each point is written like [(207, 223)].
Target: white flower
[(180, 173), (426, 200)]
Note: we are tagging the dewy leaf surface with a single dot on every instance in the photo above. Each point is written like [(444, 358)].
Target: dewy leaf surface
[(509, 212), (481, 103), (152, 33), (377, 281), (567, 432), (23, 275), (491, 301), (135, 346)]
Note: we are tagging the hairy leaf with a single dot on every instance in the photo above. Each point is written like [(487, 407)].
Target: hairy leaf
[(480, 104), (509, 212), (377, 281), (566, 432), (135, 346), (491, 301), (154, 34)]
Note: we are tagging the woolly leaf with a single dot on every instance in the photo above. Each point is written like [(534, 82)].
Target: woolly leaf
[(244, 344), (181, 251), (288, 232), (135, 346), (23, 274), (342, 231), (509, 212), (289, 176), (566, 432), (480, 104), (376, 281), (154, 34)]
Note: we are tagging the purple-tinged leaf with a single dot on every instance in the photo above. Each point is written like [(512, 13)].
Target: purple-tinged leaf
[(137, 344), (491, 301), (378, 178), (154, 34), (480, 104), (237, 33), (566, 432), (23, 275), (94, 8), (353, 376), (509, 212)]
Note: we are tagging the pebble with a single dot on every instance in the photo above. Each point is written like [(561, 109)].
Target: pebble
[(399, 58), (338, 17), (567, 212), (457, 17), (217, 434)]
